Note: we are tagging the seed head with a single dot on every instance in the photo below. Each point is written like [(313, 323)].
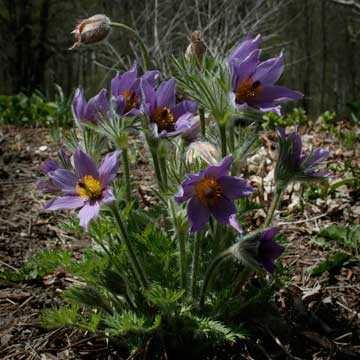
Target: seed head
[(91, 30)]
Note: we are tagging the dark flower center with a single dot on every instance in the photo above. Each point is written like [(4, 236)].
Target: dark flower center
[(247, 90), (208, 191), (89, 187), (163, 118), (131, 100)]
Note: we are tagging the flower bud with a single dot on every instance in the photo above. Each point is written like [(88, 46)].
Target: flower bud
[(203, 151), (91, 30), (258, 250), (197, 47)]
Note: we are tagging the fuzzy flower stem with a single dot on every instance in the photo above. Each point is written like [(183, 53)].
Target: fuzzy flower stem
[(144, 51), (127, 173), (210, 273), (195, 263), (202, 122), (274, 204), (163, 170), (182, 247), (138, 269), (156, 166), (222, 128)]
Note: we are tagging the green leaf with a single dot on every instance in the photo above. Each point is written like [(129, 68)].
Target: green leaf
[(333, 263)]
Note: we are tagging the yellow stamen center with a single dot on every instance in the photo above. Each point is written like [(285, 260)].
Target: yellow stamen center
[(208, 191), (131, 100), (247, 90), (89, 187), (164, 118)]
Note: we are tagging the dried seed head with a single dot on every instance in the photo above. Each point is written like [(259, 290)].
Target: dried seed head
[(197, 47), (91, 30), (202, 151)]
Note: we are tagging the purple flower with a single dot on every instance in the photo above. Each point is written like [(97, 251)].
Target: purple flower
[(166, 117), (94, 111), (212, 192), (244, 49), (253, 81), (126, 93), (268, 250), (258, 249), (292, 164), (87, 187)]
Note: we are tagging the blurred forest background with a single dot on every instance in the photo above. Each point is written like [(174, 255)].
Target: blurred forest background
[(320, 39)]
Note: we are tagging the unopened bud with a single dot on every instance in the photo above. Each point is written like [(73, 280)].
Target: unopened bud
[(197, 47), (202, 151), (91, 30)]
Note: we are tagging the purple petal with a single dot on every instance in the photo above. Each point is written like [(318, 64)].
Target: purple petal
[(166, 94), (268, 235), (245, 69), (187, 189), (217, 171), (235, 224), (65, 202), (271, 93), (85, 165), (198, 215), (79, 104), (50, 165), (235, 188), (269, 72), (223, 209), (64, 179), (97, 107), (123, 83), (109, 167), (151, 77), (47, 185), (119, 104), (242, 50), (148, 94), (87, 213), (316, 157), (183, 107), (297, 146), (107, 196)]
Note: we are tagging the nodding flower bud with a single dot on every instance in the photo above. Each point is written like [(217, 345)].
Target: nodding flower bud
[(91, 30), (197, 46), (202, 151), (258, 250)]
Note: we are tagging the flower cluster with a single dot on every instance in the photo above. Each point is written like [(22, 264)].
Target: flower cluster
[(253, 80)]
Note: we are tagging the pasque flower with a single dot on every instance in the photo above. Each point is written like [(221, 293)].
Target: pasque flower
[(258, 249), (91, 30), (253, 81), (212, 192), (86, 186), (95, 110), (292, 164), (166, 117), (126, 93)]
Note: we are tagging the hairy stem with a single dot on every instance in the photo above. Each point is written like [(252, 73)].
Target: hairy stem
[(144, 51), (163, 171), (210, 273), (274, 205), (156, 167), (222, 129), (202, 122), (127, 173), (138, 269), (195, 263)]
